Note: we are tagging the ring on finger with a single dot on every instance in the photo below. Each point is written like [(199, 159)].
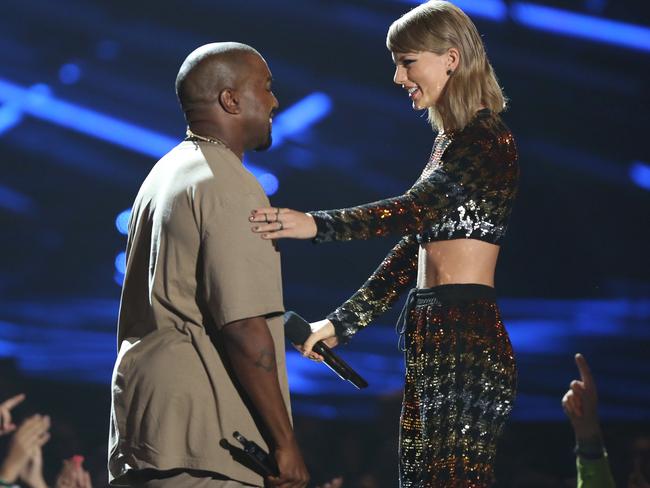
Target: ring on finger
[(281, 225)]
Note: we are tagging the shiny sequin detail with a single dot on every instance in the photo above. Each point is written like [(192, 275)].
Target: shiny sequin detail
[(466, 191), (472, 175), (395, 274), (435, 160), (459, 391)]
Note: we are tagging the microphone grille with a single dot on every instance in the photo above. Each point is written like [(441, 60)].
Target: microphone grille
[(296, 329)]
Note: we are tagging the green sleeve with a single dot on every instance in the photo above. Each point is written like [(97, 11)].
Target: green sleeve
[(594, 473)]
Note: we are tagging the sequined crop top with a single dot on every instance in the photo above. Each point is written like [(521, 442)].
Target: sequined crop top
[(466, 190)]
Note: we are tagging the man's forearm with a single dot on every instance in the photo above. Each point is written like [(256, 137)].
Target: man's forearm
[(251, 350)]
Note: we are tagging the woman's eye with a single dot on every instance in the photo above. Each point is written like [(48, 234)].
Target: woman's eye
[(406, 62)]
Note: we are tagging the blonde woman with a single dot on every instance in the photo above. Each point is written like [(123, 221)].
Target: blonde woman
[(460, 370)]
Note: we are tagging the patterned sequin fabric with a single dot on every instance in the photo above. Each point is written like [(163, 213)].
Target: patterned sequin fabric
[(465, 191), (459, 390)]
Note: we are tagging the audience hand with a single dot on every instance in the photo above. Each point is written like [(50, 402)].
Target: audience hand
[(6, 424), (580, 403), (334, 483), (73, 475), (32, 472), (30, 436)]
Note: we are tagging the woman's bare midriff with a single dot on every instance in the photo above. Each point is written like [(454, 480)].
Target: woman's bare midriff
[(456, 261)]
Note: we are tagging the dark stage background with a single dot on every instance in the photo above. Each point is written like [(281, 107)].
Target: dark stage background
[(87, 106)]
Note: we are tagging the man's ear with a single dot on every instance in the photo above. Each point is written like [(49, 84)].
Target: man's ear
[(229, 100)]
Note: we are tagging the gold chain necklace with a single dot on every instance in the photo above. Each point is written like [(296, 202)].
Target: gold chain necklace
[(211, 140)]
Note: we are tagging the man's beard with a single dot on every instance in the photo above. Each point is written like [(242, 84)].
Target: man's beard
[(266, 144)]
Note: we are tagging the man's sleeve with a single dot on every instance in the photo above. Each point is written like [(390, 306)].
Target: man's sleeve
[(241, 272)]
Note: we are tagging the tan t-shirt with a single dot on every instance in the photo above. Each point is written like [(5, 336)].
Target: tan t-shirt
[(193, 265)]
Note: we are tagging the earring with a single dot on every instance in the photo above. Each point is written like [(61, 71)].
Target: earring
[(449, 72)]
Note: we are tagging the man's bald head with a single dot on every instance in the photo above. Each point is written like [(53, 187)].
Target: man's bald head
[(210, 69)]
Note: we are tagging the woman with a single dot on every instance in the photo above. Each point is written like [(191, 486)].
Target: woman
[(460, 369)]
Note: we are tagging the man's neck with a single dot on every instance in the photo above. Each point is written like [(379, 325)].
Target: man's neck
[(227, 137)]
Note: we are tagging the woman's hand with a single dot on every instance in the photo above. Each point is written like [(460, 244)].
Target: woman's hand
[(323, 330), (278, 223)]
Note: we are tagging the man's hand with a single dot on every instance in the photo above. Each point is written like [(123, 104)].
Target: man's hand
[(580, 403), (6, 424), (31, 435), (293, 472)]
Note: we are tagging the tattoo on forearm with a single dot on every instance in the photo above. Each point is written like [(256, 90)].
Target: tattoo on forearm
[(266, 360)]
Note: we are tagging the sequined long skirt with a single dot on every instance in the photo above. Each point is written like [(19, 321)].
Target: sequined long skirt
[(459, 390)]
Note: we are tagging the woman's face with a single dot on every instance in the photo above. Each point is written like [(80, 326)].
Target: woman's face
[(423, 75)]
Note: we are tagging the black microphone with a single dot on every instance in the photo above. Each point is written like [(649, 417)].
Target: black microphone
[(258, 456), (297, 330)]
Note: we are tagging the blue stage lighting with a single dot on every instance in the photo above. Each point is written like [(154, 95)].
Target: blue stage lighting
[(300, 116), (10, 115), (487, 9), (118, 278), (15, 201), (107, 50), (39, 102), (122, 221), (269, 182), (583, 26), (640, 174), (69, 73), (120, 262)]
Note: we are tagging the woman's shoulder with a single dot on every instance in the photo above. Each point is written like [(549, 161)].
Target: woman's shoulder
[(485, 133)]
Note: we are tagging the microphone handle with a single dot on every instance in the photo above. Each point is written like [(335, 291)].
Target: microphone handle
[(340, 367)]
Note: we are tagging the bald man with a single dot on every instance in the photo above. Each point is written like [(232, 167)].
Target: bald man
[(200, 334)]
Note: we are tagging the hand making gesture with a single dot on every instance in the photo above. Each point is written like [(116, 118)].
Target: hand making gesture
[(580, 403), (6, 423)]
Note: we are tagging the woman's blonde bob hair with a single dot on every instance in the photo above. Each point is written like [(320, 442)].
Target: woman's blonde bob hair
[(437, 26)]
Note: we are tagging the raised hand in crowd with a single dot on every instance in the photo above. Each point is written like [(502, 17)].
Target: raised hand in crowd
[(580, 404), (334, 483), (32, 472), (32, 434), (6, 423), (73, 475)]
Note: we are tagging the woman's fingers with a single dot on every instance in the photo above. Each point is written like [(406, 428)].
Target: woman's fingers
[(268, 214), (311, 355)]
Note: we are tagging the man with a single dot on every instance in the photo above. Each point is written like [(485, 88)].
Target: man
[(200, 337)]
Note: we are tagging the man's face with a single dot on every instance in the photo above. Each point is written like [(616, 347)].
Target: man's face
[(258, 105)]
